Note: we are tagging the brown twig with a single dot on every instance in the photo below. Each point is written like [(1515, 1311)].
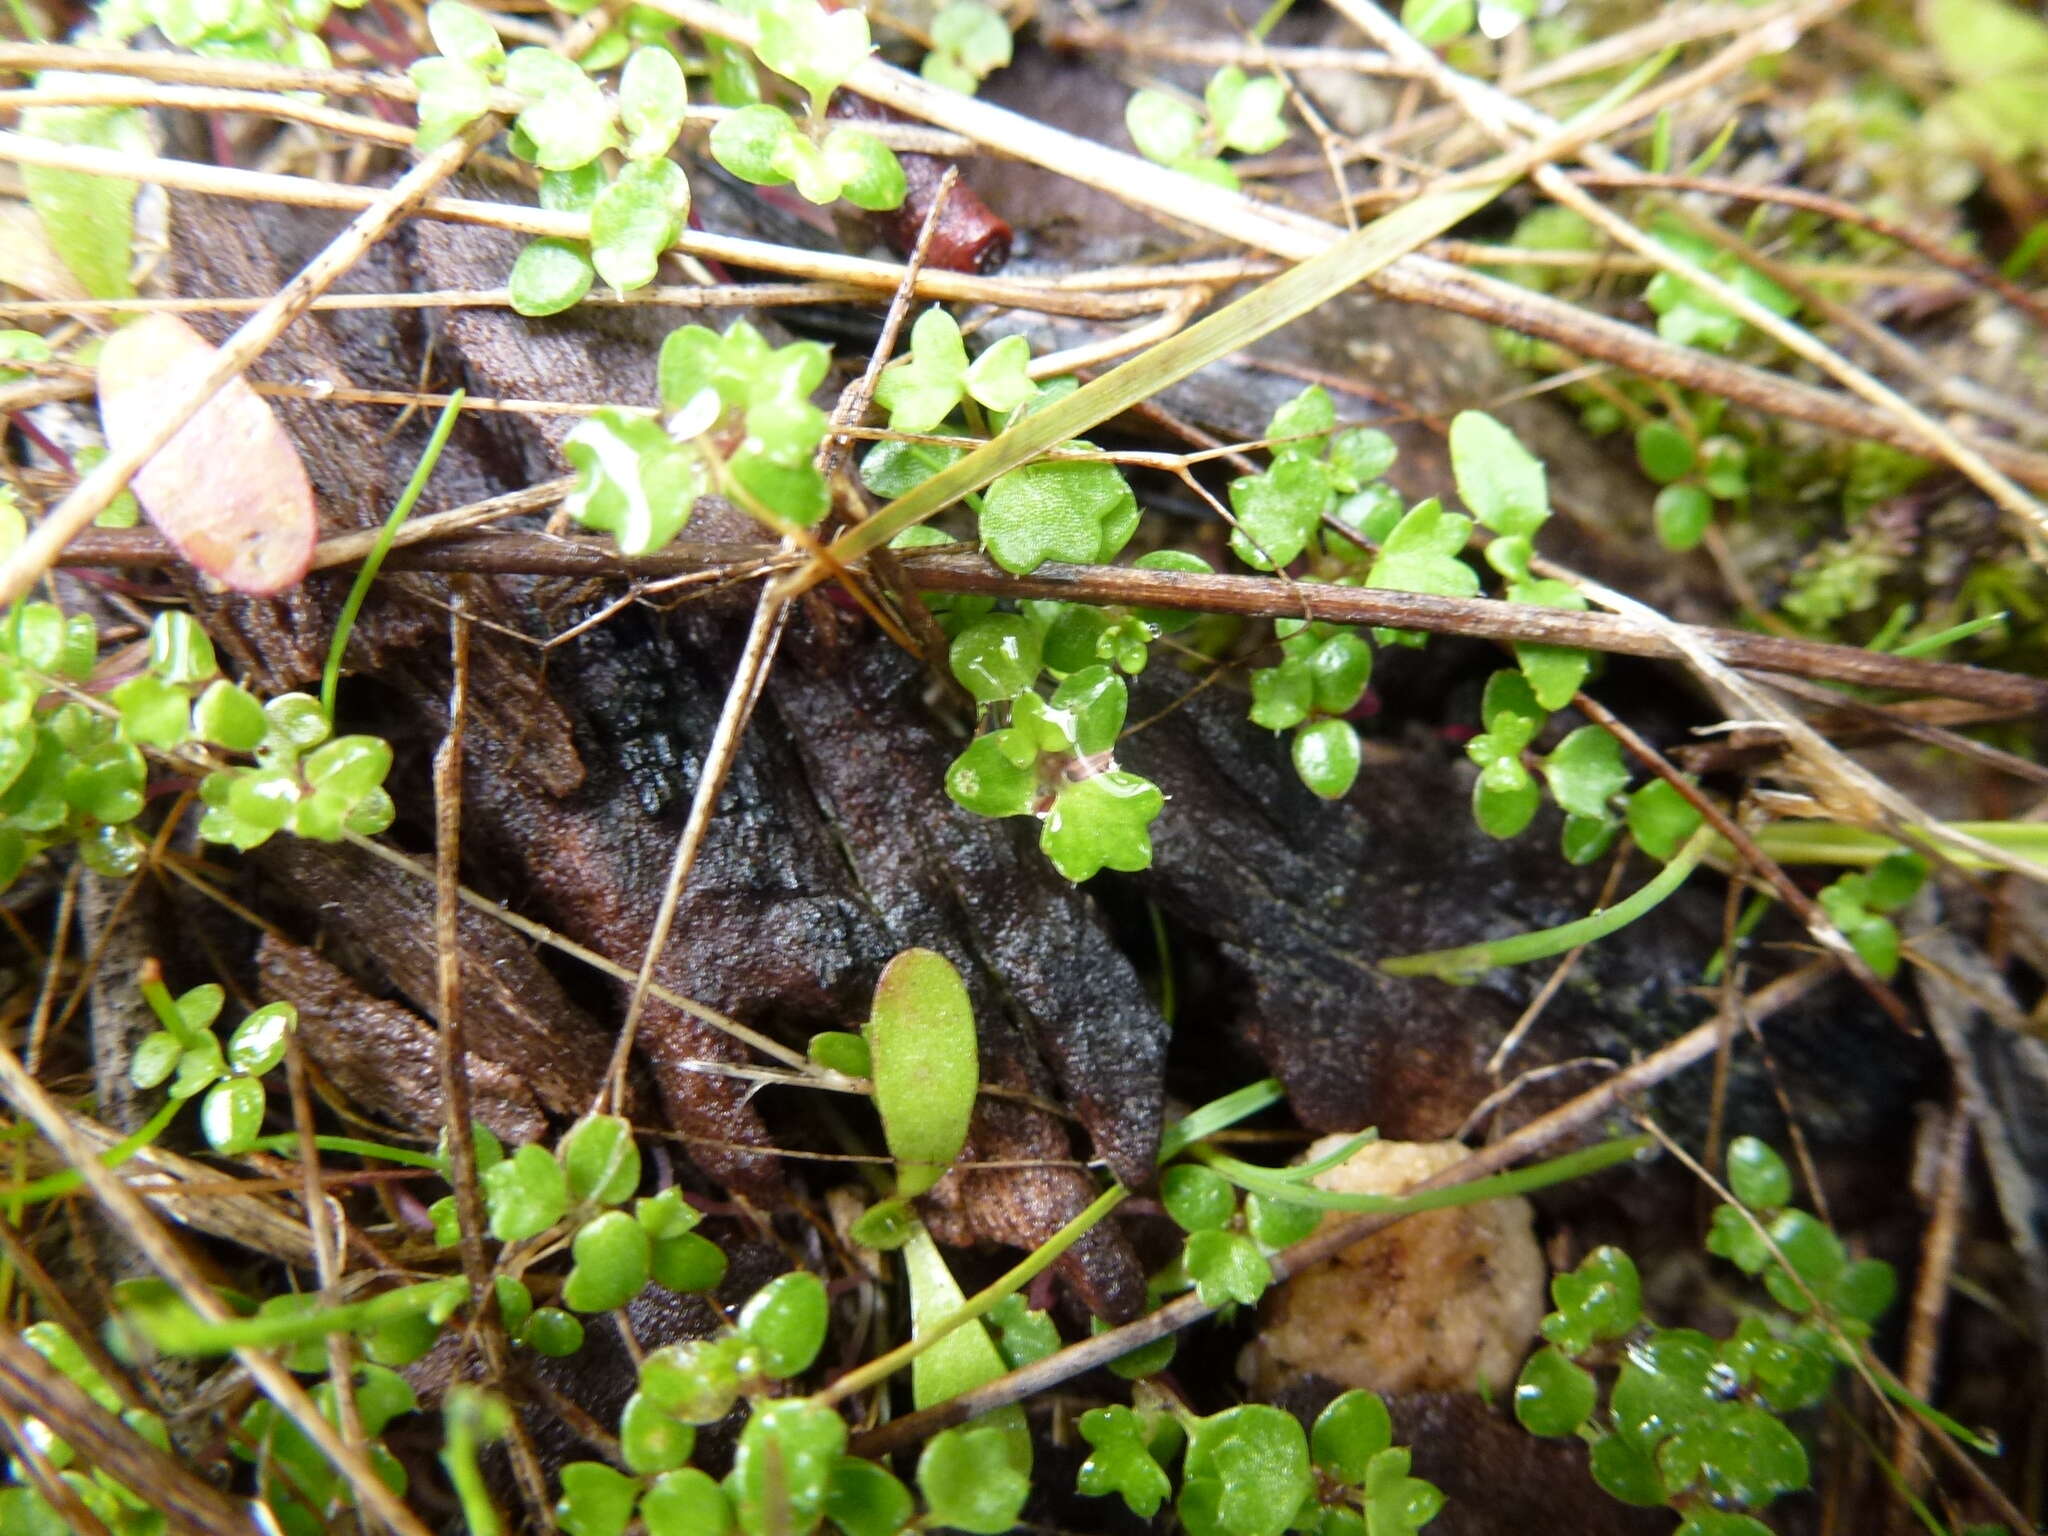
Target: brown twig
[(938, 570)]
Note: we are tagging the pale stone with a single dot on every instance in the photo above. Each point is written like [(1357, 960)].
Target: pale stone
[(1443, 1301)]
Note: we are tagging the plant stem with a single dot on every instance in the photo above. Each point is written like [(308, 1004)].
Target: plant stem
[(330, 677), (1467, 961), (1012, 1280), (64, 1182)]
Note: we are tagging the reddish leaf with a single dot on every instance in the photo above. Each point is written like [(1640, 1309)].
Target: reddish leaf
[(229, 491)]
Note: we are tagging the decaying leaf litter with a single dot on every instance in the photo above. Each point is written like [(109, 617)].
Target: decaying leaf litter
[(1263, 911)]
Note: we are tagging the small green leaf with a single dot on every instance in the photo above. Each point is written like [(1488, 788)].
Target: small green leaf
[(153, 712), (866, 170), (1100, 822), (1664, 452), (842, 1052), (89, 220), (1120, 1461), (1757, 1175), (1282, 696), (1660, 819), (601, 1160), (1245, 114), (1683, 514), (596, 1501), (1199, 1199), (971, 1481), (1279, 511), (1500, 481), (463, 34), (1436, 22), (635, 483), (686, 1502), (1342, 667), (984, 780), (866, 1499), (652, 101), (525, 1194), (1421, 554), (231, 1114), (817, 49), (749, 143), (1327, 756), (567, 121), (228, 715), (1246, 1472), (783, 1468), (637, 218), (1585, 771), (1349, 1433), (1553, 1396), (997, 378), (974, 34), (920, 1034), (613, 1263), (688, 1262), (550, 275), (1626, 1473), (1076, 511), (155, 1059), (785, 1321), (1226, 1267), (259, 1041), (651, 1440), (1164, 128)]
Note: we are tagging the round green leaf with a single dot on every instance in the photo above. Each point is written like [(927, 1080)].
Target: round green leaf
[(785, 1322), (613, 1261), (1251, 1466), (1327, 757), (686, 1503), (1341, 667), (997, 657), (550, 275), (651, 1439), (1757, 1175), (1553, 1396), (688, 1262), (1585, 771), (784, 1464), (525, 1194), (231, 1115), (258, 1043), (864, 1499), (1199, 1199), (552, 1332), (985, 781), (652, 101), (1349, 1433), (596, 1501), (971, 1481), (155, 1059), (748, 142), (1626, 1473), (637, 218), (1683, 515), (601, 1159), (1665, 453)]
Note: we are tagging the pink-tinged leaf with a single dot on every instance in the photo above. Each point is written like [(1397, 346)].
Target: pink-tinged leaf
[(229, 490)]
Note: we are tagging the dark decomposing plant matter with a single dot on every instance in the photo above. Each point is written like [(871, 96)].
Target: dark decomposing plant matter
[(790, 765)]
